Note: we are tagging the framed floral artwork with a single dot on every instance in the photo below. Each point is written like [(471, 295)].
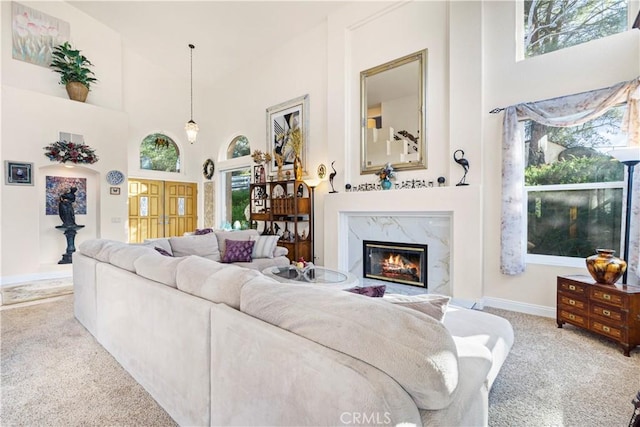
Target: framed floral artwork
[(18, 173), (288, 132)]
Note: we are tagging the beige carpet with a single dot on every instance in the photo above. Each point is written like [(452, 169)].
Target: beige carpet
[(53, 373), (562, 377)]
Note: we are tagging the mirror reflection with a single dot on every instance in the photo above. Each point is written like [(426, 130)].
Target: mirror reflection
[(393, 114)]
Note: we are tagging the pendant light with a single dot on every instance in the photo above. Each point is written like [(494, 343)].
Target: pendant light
[(191, 127)]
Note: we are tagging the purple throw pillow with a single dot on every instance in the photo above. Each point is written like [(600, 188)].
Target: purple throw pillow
[(201, 231), (369, 291), (238, 250), (162, 251)]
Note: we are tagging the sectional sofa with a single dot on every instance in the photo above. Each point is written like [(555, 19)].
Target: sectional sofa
[(220, 344)]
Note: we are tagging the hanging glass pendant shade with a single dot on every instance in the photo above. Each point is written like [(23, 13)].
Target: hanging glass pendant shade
[(191, 127)]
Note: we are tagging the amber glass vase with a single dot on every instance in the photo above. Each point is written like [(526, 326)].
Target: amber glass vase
[(604, 267)]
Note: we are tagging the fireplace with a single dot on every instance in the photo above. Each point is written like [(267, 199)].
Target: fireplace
[(404, 263)]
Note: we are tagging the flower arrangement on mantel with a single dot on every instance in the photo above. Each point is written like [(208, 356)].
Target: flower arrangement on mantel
[(63, 151)]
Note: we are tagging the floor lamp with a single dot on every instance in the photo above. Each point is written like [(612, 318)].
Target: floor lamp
[(630, 157), (312, 183)]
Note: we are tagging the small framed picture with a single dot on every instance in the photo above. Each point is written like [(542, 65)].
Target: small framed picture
[(114, 191), (18, 173)]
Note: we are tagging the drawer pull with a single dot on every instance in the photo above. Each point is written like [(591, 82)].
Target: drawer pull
[(572, 317), (606, 328), (572, 302), (606, 296), (572, 287), (606, 312)]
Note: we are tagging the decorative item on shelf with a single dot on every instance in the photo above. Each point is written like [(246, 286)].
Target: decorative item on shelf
[(280, 162), (74, 71), (260, 159), (208, 168), (332, 175), (63, 151), (604, 267), (347, 187), (630, 157), (465, 165), (191, 127), (385, 175), (441, 181)]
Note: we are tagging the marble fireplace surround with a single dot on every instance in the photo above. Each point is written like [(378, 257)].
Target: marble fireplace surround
[(448, 219)]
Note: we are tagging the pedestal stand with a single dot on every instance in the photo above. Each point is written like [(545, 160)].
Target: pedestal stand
[(70, 232)]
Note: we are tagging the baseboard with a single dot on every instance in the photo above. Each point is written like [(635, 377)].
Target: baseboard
[(520, 307), (14, 280)]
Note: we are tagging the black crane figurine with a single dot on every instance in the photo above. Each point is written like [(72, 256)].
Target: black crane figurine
[(465, 165), (331, 176)]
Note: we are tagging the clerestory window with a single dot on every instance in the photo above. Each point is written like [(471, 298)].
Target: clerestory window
[(158, 152), (551, 25)]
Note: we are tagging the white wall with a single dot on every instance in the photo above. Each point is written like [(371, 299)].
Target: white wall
[(35, 108), (506, 81), (238, 104)]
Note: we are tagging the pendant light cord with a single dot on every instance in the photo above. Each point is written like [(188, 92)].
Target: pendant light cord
[(191, 47)]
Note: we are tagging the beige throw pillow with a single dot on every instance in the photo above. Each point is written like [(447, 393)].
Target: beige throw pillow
[(264, 246), (430, 304)]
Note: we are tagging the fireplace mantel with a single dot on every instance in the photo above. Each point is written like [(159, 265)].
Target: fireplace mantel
[(462, 204)]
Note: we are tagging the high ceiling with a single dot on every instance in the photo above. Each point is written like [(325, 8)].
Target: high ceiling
[(226, 34)]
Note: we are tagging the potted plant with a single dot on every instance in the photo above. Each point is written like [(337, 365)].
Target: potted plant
[(74, 71)]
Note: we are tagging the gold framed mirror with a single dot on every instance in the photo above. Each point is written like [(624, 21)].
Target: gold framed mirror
[(393, 114)]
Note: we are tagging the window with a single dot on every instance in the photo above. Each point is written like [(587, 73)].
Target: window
[(551, 25), (235, 174), (158, 152), (574, 189), (239, 147), (236, 194)]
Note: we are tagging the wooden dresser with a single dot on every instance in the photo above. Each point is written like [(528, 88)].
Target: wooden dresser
[(609, 310)]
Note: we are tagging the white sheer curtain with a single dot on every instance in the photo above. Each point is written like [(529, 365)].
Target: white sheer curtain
[(560, 112)]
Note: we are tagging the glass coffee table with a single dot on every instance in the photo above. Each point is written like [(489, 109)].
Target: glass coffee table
[(320, 276)]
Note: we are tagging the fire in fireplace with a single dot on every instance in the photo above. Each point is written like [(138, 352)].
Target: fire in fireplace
[(404, 263)]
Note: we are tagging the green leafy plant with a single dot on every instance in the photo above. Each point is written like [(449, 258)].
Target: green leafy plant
[(575, 170), (72, 65)]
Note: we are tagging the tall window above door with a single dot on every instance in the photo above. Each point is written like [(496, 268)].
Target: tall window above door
[(574, 188), (158, 152), (551, 25), (232, 202)]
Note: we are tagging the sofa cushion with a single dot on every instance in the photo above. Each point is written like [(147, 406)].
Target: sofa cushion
[(201, 231), (205, 246), (162, 242), (92, 247), (162, 251), (233, 235), (237, 250), (124, 255), (429, 304), (214, 281), (369, 291), (411, 347), (265, 246), (158, 268), (280, 251)]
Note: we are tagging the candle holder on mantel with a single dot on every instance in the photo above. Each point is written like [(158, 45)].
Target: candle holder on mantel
[(70, 232)]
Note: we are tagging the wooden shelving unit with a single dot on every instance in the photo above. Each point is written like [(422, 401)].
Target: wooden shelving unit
[(285, 208)]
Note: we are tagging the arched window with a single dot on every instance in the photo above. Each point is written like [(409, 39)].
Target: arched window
[(238, 147), (158, 152)]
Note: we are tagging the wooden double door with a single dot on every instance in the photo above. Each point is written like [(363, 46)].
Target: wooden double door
[(161, 209)]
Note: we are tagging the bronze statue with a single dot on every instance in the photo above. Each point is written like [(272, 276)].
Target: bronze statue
[(332, 175), (65, 207)]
